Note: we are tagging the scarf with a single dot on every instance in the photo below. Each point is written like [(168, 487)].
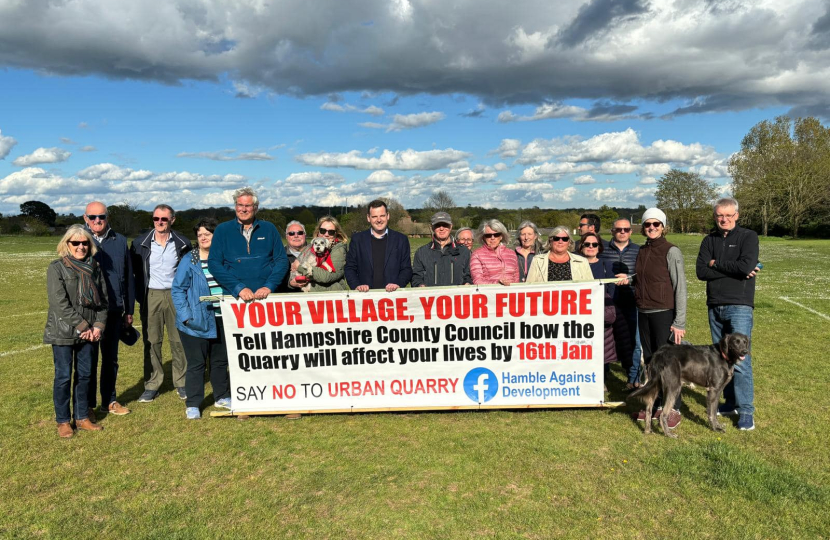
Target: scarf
[(88, 295), (324, 262)]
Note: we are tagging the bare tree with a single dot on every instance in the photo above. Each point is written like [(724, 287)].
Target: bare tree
[(440, 201)]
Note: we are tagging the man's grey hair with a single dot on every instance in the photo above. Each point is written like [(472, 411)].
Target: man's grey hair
[(621, 219), (724, 201), (165, 207), (537, 244), (462, 229), (246, 192), (496, 226), (295, 222)]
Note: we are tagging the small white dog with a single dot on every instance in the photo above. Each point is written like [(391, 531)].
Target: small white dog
[(315, 255)]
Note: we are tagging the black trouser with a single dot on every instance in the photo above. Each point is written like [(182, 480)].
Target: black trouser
[(108, 348), (197, 351), (655, 330)]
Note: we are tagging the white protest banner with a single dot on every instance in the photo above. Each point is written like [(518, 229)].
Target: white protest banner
[(521, 346)]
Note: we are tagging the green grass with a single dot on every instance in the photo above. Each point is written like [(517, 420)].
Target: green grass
[(496, 474)]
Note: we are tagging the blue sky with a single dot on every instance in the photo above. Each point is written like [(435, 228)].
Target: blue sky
[(576, 104)]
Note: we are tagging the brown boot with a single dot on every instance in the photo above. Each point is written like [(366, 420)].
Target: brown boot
[(65, 430), (91, 415), (86, 425)]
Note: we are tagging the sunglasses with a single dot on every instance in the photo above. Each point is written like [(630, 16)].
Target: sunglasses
[(590, 244), (295, 233), (623, 229), (652, 225), (492, 235), (559, 239), (76, 243), (328, 232), (93, 217), (162, 219)]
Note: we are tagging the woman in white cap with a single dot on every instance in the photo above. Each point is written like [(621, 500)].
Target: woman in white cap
[(660, 292)]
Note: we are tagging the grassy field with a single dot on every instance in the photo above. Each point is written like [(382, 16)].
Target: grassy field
[(498, 474)]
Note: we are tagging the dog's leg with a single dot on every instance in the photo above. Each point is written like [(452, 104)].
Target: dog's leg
[(712, 408), (649, 403), (669, 397)]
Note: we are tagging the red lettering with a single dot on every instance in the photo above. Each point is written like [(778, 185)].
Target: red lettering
[(292, 313), (431, 386), (400, 308), (317, 310), (386, 309), (369, 312), (569, 302), (501, 302), (426, 303), (239, 312), (585, 302), (256, 314), (288, 391)]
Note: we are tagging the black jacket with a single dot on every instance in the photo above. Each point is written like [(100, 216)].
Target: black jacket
[(735, 255), (140, 252), (114, 258), (436, 266)]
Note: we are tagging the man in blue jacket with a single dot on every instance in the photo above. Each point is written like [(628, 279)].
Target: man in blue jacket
[(378, 258), (727, 262), (247, 257), (113, 256)]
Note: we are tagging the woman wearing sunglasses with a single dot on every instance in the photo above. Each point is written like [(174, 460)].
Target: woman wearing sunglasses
[(590, 246), (494, 262), (559, 264), (329, 273), (660, 293), (76, 320)]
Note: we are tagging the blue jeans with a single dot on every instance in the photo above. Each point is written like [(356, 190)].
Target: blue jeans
[(66, 357), (740, 391)]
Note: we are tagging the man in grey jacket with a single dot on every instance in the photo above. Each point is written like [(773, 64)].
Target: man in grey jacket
[(442, 262)]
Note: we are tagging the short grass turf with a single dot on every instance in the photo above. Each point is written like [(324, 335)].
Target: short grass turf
[(493, 474)]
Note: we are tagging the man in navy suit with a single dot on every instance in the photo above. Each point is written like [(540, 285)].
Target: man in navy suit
[(378, 258)]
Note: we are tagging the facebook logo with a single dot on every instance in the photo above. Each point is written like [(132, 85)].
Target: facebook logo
[(481, 384)]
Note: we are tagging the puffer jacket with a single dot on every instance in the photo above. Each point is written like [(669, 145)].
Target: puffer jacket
[(188, 285), (491, 266), (323, 280), (67, 319)]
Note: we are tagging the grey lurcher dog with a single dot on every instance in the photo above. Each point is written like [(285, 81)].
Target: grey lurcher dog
[(710, 366)]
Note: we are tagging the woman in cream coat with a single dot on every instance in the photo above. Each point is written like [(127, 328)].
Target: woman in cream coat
[(559, 264)]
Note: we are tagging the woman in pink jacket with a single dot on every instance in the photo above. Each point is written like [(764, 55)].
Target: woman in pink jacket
[(494, 261)]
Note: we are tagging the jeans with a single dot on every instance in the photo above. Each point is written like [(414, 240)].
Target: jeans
[(197, 350), (740, 392), (66, 357), (108, 347)]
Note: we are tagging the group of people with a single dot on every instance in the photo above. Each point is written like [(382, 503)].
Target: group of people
[(94, 285)]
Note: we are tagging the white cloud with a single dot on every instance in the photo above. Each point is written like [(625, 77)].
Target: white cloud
[(42, 155), (546, 111), (508, 148), (411, 121), (87, 149), (371, 110), (647, 181), (227, 155), (501, 166), (401, 159), (246, 91), (315, 178), (584, 179), (613, 195), (6, 144)]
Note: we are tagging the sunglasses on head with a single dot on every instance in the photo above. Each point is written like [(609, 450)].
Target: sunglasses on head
[(162, 219), (590, 244), (93, 217), (328, 232), (652, 225), (295, 233), (560, 239), (492, 235), (77, 243), (622, 229)]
